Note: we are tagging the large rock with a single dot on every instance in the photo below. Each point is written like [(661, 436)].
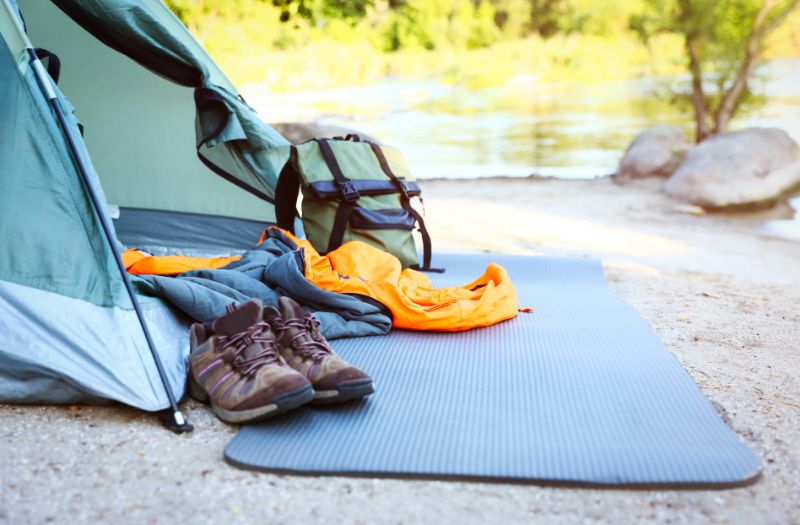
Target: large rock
[(656, 152), (754, 166), (298, 132)]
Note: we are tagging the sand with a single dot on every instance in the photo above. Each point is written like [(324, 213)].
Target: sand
[(720, 291)]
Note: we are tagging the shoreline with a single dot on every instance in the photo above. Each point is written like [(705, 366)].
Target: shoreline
[(756, 217), (778, 206)]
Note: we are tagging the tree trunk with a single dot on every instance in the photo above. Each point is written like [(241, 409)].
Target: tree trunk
[(698, 96)]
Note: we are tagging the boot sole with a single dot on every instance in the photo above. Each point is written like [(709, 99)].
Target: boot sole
[(345, 391), (279, 405)]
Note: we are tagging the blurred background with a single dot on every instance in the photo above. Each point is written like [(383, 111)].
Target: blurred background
[(485, 88)]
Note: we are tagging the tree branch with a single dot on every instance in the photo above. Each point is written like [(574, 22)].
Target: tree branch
[(692, 44), (776, 21), (761, 27)]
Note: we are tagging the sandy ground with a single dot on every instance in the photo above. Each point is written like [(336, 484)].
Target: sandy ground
[(721, 293)]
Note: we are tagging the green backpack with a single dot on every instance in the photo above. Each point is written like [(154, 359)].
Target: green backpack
[(353, 190)]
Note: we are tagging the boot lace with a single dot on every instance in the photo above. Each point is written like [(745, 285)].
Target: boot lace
[(314, 348), (238, 342)]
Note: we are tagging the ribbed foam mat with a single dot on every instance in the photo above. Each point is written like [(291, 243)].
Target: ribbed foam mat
[(580, 392)]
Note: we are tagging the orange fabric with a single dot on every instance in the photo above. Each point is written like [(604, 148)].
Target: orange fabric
[(358, 268), (139, 263)]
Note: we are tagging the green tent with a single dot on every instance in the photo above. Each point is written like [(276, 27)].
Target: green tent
[(142, 121)]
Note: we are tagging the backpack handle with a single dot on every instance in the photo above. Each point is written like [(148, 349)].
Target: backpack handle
[(355, 137)]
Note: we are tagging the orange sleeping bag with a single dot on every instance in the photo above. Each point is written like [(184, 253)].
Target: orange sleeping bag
[(139, 263), (358, 268)]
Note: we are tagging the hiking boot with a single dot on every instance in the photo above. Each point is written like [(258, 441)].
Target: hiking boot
[(306, 350), (236, 367)]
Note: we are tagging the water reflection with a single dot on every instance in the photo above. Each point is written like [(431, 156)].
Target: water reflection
[(521, 128), (516, 130)]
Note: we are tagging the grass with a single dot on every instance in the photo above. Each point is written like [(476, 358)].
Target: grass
[(571, 58)]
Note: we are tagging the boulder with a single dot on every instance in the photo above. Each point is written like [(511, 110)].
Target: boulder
[(752, 167), (297, 132), (656, 152)]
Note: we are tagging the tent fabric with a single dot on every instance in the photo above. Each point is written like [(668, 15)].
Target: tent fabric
[(232, 136), (237, 143), (69, 331), (138, 126), (56, 349), (193, 234), (132, 29), (52, 237), (10, 24)]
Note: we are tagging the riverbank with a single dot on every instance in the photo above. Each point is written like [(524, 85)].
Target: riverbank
[(720, 291)]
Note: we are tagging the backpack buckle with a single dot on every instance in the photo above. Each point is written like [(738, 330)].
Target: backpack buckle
[(348, 190)]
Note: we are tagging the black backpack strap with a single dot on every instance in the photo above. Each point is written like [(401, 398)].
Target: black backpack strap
[(405, 198), (348, 192), (51, 61), (52, 64), (286, 193)]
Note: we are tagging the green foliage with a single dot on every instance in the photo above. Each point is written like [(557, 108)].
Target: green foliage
[(513, 17), (437, 24), (721, 26), (290, 44), (549, 17), (723, 40), (391, 25), (320, 11), (602, 17)]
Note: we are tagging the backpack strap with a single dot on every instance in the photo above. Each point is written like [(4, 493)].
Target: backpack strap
[(52, 65), (286, 192), (348, 192), (405, 199), (51, 61)]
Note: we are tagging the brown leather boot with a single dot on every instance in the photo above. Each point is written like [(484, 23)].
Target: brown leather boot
[(306, 350), (235, 365)]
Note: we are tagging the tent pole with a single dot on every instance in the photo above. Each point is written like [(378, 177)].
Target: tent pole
[(177, 423)]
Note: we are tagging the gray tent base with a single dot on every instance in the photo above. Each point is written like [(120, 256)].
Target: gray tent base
[(72, 351), (579, 392)]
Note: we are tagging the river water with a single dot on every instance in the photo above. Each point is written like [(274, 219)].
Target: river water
[(523, 127)]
